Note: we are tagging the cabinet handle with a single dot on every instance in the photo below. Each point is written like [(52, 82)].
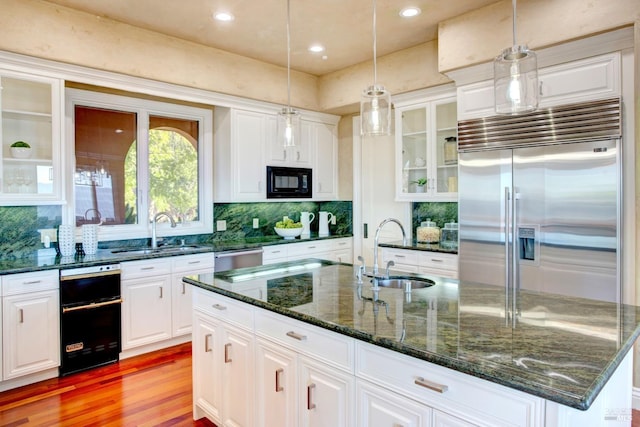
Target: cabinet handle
[(219, 307), (311, 247), (32, 282), (184, 288), (207, 349), (440, 388), (147, 268), (275, 252), (279, 372), (161, 292), (399, 256), (21, 311), (436, 260), (193, 262), (298, 157), (227, 348), (284, 154), (296, 335), (310, 404)]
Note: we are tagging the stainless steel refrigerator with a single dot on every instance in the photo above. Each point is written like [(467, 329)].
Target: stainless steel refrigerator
[(539, 202)]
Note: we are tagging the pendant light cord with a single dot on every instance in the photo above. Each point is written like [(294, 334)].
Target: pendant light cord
[(513, 3), (375, 71), (289, 57)]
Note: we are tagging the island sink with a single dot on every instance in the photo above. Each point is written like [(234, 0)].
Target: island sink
[(403, 282)]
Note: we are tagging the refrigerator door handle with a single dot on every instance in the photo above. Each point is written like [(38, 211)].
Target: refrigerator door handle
[(515, 270), (507, 197)]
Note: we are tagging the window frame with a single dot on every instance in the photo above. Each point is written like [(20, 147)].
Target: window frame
[(144, 108)]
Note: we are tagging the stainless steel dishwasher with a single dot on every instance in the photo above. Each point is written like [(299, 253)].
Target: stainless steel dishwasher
[(230, 260)]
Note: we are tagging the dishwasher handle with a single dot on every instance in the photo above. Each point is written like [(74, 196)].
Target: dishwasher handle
[(238, 253)]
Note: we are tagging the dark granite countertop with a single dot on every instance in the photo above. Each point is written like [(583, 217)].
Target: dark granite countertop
[(115, 254), (563, 349), (430, 247)]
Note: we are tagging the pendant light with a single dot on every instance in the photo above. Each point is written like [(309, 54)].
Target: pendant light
[(288, 118), (375, 102), (515, 78)]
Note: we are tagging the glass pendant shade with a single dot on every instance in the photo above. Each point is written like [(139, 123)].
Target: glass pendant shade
[(288, 127), (375, 111), (515, 81)]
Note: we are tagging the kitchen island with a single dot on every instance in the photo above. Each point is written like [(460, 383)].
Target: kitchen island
[(441, 353)]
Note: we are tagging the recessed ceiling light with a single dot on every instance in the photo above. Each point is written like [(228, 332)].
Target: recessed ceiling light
[(410, 11), (224, 16), (316, 48)]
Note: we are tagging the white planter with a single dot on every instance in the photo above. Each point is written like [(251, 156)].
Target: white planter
[(20, 152)]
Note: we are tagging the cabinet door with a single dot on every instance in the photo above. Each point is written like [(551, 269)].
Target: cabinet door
[(276, 386), (31, 112), (324, 139), (31, 333), (326, 395), (207, 388), (247, 141), (378, 407), (238, 388), (181, 306), (441, 419), (146, 311), (298, 156)]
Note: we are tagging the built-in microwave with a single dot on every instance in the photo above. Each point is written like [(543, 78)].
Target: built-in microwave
[(288, 183)]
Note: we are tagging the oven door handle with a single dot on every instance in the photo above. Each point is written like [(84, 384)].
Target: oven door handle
[(92, 305)]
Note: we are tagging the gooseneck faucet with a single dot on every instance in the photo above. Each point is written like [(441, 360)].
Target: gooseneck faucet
[(377, 236), (154, 239)]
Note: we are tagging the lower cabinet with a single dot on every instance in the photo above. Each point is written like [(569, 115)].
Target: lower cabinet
[(30, 323), (423, 262), (338, 249), (378, 407)]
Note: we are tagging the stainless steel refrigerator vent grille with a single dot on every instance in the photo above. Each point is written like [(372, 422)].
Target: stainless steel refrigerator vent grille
[(554, 125)]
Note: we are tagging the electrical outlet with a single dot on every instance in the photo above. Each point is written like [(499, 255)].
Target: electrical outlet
[(50, 232), (256, 223), (221, 225)]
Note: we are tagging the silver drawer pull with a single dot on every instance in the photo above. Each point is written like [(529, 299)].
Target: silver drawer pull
[(219, 307), (436, 260), (440, 388), (207, 348), (399, 256), (279, 387), (193, 262), (310, 404), (227, 348), (296, 335), (147, 268), (32, 282)]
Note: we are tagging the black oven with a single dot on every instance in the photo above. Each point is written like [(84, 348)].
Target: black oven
[(288, 183), (90, 317)]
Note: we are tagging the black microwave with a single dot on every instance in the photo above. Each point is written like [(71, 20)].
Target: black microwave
[(288, 183)]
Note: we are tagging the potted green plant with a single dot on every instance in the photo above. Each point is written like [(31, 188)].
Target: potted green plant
[(20, 150), (420, 183)]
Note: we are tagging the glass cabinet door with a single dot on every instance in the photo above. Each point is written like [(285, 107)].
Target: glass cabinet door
[(426, 146), (31, 142)]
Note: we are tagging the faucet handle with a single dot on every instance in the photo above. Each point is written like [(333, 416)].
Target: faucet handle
[(389, 265), (361, 269)]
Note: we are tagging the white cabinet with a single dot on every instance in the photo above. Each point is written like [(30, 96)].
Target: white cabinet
[(31, 107), (324, 142), (297, 157), (239, 141), (223, 357), (146, 306), (338, 249), (378, 407), (426, 149), (423, 262), (592, 78), (30, 323), (181, 299)]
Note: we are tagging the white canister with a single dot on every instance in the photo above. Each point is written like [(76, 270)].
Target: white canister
[(66, 240), (306, 218), (323, 225), (90, 238)]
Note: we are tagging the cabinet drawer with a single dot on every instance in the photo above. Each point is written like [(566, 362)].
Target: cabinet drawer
[(146, 268), (400, 256), (309, 248), (438, 261), (332, 349), (21, 283), (458, 392), (275, 252), (188, 263), (223, 308), (342, 244)]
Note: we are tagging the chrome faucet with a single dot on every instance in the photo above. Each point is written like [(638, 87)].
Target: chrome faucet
[(154, 239), (377, 236)]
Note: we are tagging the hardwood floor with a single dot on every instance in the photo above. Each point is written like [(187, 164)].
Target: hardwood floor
[(149, 390)]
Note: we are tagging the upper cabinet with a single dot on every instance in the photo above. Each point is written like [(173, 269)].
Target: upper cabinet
[(31, 108), (297, 157), (426, 148), (592, 78), (324, 140)]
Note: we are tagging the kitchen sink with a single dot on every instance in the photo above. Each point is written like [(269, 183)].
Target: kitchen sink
[(404, 282), (159, 250)]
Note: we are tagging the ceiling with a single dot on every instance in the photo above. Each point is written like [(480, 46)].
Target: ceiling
[(344, 27)]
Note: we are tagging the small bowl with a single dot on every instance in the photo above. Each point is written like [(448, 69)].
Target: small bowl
[(20, 152), (288, 233)]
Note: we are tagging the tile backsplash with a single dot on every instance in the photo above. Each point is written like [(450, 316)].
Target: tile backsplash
[(19, 225)]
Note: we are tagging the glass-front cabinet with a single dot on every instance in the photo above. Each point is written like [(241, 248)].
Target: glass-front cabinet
[(426, 149), (30, 167)]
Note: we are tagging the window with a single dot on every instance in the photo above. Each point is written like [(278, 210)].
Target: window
[(133, 158)]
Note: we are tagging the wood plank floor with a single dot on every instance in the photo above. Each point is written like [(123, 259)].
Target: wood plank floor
[(149, 390)]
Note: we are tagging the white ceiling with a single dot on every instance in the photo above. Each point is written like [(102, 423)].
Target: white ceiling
[(344, 27)]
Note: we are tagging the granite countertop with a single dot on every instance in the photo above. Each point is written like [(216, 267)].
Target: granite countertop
[(414, 245), (563, 349), (117, 254)]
